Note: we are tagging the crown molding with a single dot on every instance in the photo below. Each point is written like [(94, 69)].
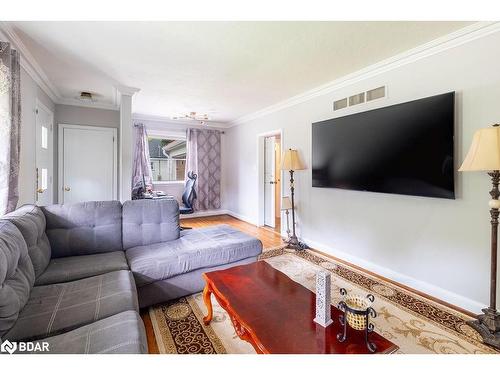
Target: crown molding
[(467, 34), (29, 63), (126, 90), (168, 120), (35, 71)]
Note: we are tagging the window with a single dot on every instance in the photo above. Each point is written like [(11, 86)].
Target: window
[(168, 159), (44, 138), (44, 179)]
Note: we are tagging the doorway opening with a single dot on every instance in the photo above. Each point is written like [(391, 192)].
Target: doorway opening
[(272, 182)]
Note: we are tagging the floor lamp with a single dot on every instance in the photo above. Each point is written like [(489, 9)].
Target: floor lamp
[(484, 155), (291, 162), (286, 205)]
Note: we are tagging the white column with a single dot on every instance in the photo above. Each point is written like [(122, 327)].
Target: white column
[(125, 153)]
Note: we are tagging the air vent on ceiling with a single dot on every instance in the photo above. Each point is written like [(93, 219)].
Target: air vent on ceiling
[(357, 99), (377, 93), (339, 104), (360, 98)]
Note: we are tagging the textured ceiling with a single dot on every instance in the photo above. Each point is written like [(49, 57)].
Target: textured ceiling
[(229, 69)]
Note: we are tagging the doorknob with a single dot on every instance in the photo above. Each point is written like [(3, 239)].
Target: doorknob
[(40, 191), (66, 188)]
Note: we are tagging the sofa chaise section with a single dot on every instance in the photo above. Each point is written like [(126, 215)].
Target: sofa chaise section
[(195, 249), (168, 263)]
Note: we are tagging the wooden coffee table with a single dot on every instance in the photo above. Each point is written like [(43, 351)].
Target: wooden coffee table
[(275, 314)]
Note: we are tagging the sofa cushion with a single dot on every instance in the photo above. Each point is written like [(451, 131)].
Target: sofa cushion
[(122, 333), (57, 308), (84, 228), (148, 221), (30, 221), (17, 275), (196, 248), (65, 269)]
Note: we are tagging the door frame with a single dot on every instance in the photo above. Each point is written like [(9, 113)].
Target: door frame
[(60, 156), (270, 220), (39, 104), (260, 173)]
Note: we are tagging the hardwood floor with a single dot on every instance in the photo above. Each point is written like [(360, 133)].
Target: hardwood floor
[(277, 225), (268, 236)]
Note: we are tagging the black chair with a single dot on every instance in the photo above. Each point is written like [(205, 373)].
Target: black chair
[(189, 195)]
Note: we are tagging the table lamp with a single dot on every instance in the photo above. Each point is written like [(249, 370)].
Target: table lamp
[(484, 155), (292, 162), (286, 205)]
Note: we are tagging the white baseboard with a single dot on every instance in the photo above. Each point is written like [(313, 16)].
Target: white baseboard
[(431, 290), (242, 217), (204, 213)]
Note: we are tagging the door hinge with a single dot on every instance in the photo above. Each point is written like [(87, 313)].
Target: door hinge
[(36, 111)]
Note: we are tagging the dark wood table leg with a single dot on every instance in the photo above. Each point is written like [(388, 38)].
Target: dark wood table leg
[(208, 303)]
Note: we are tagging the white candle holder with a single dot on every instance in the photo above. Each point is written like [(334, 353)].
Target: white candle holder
[(323, 299)]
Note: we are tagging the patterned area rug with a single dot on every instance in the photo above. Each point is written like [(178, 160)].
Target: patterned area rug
[(415, 324)]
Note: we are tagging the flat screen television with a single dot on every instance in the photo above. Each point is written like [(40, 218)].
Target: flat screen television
[(401, 149)]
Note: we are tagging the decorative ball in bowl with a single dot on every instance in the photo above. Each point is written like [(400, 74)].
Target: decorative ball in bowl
[(357, 311), (356, 314)]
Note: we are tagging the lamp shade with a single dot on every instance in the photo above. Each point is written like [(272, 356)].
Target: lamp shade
[(286, 203), (484, 153), (291, 161)]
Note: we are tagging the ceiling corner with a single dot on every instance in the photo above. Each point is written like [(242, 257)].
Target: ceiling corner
[(29, 63)]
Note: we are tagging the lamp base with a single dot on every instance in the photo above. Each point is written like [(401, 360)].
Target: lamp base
[(488, 326), (295, 244)]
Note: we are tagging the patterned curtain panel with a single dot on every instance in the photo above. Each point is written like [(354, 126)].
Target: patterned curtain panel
[(10, 122), (142, 165), (203, 158)]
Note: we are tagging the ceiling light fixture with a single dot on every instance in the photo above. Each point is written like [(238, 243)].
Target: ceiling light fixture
[(86, 96), (201, 117)]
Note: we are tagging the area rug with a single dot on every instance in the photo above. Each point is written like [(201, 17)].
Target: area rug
[(417, 325)]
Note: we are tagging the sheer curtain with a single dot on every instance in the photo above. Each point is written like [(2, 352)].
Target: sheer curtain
[(203, 158), (10, 122), (142, 165)]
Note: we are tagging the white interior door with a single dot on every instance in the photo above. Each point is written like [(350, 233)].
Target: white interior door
[(44, 155), (269, 181), (87, 167)]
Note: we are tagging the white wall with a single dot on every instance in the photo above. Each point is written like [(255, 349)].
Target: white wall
[(74, 115), (435, 245), (30, 92)]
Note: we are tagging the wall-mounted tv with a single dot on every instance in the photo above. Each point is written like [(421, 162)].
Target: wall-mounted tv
[(401, 149)]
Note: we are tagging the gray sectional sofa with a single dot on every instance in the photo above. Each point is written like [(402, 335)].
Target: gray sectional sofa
[(76, 275)]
